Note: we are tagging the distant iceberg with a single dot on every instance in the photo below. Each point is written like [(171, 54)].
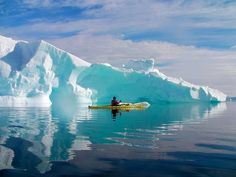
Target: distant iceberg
[(39, 74)]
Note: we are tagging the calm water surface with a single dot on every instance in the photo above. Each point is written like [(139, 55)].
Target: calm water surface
[(165, 140)]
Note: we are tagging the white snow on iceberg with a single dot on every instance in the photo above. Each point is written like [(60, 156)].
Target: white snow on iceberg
[(39, 74)]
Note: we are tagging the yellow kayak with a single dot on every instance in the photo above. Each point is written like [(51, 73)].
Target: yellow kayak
[(124, 106)]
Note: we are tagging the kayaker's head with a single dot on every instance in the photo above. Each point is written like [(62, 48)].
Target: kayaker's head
[(114, 98)]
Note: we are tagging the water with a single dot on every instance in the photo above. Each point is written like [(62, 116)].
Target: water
[(164, 140)]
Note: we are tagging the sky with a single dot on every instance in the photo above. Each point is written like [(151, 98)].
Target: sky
[(192, 39)]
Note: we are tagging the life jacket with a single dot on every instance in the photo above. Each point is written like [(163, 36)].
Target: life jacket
[(114, 102)]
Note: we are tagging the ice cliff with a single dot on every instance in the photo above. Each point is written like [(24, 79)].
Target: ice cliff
[(39, 74)]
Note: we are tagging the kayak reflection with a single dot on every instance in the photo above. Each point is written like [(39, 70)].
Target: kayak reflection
[(117, 112), (114, 113)]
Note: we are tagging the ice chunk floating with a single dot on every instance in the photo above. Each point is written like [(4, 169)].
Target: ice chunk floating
[(39, 74)]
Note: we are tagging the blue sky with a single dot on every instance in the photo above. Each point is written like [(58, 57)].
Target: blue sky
[(192, 39), (202, 23)]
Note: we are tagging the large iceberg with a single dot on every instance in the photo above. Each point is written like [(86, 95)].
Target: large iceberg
[(40, 74)]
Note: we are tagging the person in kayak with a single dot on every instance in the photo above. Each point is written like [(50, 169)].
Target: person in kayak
[(115, 102)]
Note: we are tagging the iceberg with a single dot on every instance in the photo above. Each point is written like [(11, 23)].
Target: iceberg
[(152, 86), (40, 74)]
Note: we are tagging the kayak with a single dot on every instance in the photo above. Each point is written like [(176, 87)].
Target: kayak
[(123, 106)]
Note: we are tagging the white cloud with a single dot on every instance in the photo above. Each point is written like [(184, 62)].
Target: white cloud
[(36, 3), (114, 20), (216, 68), (65, 3), (108, 47), (233, 47), (131, 17)]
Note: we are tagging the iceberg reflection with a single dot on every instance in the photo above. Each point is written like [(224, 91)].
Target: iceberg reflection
[(44, 135)]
